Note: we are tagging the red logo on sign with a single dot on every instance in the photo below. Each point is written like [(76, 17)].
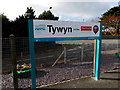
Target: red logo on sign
[(86, 28), (95, 29)]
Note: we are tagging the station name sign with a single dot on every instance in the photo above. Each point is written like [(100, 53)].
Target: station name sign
[(50, 29)]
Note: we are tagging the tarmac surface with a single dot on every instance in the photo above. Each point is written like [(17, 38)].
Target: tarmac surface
[(110, 79)]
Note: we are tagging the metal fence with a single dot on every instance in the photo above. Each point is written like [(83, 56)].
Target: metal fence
[(57, 61), (46, 52)]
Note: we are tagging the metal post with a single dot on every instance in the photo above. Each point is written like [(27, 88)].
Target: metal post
[(98, 55), (97, 65), (65, 55), (32, 54), (14, 61)]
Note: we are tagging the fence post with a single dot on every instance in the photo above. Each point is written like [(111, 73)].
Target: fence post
[(65, 55), (82, 48), (21, 54), (0, 51), (14, 60)]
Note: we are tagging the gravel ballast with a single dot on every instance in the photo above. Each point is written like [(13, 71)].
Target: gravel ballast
[(62, 72)]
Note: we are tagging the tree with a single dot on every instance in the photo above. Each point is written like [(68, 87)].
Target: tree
[(20, 25), (47, 15), (111, 19), (6, 30), (30, 13)]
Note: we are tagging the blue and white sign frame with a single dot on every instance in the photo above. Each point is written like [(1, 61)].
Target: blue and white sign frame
[(48, 30)]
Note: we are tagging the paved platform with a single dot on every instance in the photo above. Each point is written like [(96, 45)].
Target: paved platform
[(109, 79)]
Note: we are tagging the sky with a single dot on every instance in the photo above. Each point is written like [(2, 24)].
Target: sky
[(66, 10)]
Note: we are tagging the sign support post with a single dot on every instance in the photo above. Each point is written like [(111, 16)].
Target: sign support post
[(97, 62), (97, 55), (32, 54)]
